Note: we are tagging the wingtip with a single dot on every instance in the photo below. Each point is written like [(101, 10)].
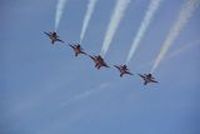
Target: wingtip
[(45, 33), (107, 66), (115, 66)]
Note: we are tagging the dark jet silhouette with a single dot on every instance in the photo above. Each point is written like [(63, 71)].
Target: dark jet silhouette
[(77, 49), (53, 37), (99, 61), (123, 70), (148, 78)]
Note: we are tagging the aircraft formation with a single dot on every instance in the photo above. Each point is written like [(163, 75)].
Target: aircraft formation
[(99, 60)]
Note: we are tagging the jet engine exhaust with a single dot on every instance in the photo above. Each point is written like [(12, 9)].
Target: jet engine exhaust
[(153, 7), (89, 12), (115, 20), (59, 12), (184, 16)]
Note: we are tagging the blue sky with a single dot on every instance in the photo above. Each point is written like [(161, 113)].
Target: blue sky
[(44, 89)]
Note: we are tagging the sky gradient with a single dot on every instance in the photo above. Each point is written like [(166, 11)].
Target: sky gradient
[(44, 89)]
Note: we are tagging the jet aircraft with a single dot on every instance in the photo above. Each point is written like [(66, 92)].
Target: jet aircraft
[(123, 70), (53, 37), (77, 49), (99, 61), (148, 78)]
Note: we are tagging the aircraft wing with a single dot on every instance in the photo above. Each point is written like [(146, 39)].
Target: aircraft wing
[(71, 46), (117, 67), (142, 76), (83, 52), (47, 34), (92, 58), (129, 73), (60, 40), (154, 81), (106, 65)]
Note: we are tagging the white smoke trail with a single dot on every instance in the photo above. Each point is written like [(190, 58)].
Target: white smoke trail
[(116, 17), (59, 11), (184, 15), (182, 49), (153, 6), (173, 54), (90, 10), (87, 93)]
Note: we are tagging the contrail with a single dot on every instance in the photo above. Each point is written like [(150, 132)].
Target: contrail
[(184, 15), (86, 94), (175, 53), (182, 49), (116, 18), (90, 10), (59, 11), (152, 8)]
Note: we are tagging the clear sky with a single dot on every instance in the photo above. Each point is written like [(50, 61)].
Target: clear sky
[(44, 89)]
